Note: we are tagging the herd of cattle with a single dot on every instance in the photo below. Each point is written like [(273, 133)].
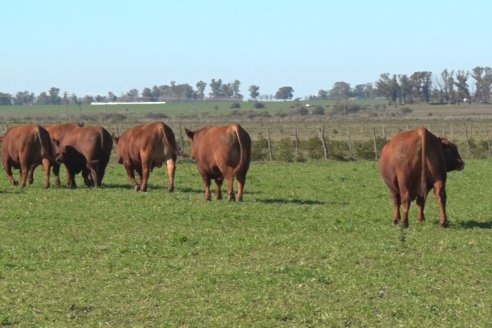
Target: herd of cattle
[(220, 153), (412, 163)]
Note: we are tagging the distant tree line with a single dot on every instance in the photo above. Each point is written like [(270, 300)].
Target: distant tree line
[(449, 87)]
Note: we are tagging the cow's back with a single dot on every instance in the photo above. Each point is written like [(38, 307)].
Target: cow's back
[(28, 142), (411, 161), (155, 141)]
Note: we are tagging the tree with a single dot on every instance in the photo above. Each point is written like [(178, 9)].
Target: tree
[(216, 89), (253, 91), (43, 99), (54, 98), (323, 94), (284, 93), (483, 81), (200, 90), (5, 99), (235, 90), (388, 88), (25, 97), (340, 90), (463, 92)]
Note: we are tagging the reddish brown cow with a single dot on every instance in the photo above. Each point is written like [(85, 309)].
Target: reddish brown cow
[(414, 162), (144, 147), (25, 147), (85, 149), (57, 131), (222, 152)]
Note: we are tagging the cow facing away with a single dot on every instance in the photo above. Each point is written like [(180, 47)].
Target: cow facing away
[(222, 152), (57, 131), (142, 148), (414, 162), (25, 147), (86, 150)]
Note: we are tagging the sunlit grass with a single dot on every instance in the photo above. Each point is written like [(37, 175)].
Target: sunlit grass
[(311, 245)]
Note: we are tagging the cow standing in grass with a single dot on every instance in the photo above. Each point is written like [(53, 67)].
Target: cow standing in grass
[(86, 150), (25, 147), (57, 131), (222, 152), (414, 162), (142, 148)]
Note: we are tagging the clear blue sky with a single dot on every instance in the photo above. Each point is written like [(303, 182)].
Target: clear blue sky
[(96, 46)]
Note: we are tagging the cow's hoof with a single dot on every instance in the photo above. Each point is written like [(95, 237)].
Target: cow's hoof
[(136, 187)]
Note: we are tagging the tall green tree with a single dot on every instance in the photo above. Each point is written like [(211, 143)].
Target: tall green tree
[(462, 88), (388, 88), (5, 99), (284, 93), (253, 91), (54, 98), (483, 82), (200, 90)]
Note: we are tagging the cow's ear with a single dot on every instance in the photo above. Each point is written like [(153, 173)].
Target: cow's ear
[(189, 133), (444, 141)]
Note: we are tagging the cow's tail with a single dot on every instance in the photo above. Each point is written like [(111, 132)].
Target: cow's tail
[(169, 140), (47, 153), (242, 150), (423, 176)]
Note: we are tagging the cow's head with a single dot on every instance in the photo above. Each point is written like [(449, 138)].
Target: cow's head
[(451, 156)]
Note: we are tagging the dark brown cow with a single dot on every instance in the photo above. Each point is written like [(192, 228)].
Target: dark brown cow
[(25, 147), (222, 152), (144, 147), (57, 131), (86, 150), (414, 162)]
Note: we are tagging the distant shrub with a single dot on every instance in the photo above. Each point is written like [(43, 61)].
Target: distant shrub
[(155, 116), (318, 110), (258, 105), (259, 150), (236, 105), (405, 110), (300, 111), (116, 117)]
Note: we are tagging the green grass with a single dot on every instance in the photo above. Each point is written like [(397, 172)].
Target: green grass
[(312, 245)]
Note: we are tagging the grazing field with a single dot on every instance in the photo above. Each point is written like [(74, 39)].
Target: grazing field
[(312, 245)]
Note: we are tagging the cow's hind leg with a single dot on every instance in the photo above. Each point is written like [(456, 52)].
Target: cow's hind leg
[(440, 193), (230, 188), (206, 180), (405, 202), (30, 174), (46, 168), (8, 170), (24, 174), (130, 172), (396, 207), (241, 181), (218, 182), (420, 205)]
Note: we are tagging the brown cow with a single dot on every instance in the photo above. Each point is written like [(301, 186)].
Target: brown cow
[(145, 146), (86, 150), (414, 162), (57, 131), (24, 147), (222, 152)]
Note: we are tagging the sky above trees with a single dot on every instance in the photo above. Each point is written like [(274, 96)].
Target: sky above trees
[(96, 47)]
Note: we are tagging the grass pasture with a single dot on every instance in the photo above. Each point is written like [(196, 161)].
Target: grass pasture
[(312, 245)]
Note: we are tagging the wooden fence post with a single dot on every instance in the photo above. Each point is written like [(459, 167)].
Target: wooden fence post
[(296, 132), (375, 144), (350, 144), (467, 141), (269, 144), (321, 134), (181, 141), (488, 142)]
